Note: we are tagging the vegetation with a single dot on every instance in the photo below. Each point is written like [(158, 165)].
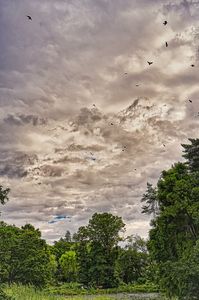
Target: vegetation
[(19, 292), (174, 238), (92, 261)]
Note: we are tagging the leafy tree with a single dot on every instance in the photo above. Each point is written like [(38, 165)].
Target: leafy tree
[(83, 250), (25, 257), (60, 247), (69, 267), (101, 237), (133, 260), (175, 229), (105, 228)]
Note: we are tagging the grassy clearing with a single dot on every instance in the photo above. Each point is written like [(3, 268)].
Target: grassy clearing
[(29, 293), (19, 292)]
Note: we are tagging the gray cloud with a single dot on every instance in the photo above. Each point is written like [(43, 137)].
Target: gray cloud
[(59, 152), (24, 119)]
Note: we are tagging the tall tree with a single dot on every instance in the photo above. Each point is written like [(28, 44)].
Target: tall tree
[(191, 153), (102, 236), (175, 230), (68, 237), (151, 201)]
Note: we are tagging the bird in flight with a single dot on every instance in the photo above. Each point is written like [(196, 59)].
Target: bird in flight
[(192, 65), (165, 22), (137, 84), (94, 105), (190, 101), (164, 145), (166, 44), (29, 18), (112, 124), (150, 62), (125, 73)]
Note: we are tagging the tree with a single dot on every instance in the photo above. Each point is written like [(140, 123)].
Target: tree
[(105, 228), (150, 199), (3, 200), (101, 237), (133, 260), (69, 267), (191, 153), (68, 237), (25, 257), (175, 229), (4, 195)]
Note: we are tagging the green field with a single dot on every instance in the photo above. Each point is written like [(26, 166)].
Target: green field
[(29, 293)]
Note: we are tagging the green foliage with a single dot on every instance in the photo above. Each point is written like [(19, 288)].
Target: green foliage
[(30, 293), (191, 153), (24, 256), (84, 260), (4, 195), (69, 267), (98, 241), (150, 199), (60, 247), (4, 296), (69, 289), (173, 243), (133, 261)]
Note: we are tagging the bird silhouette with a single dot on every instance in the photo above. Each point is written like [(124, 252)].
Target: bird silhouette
[(192, 65), (190, 101), (164, 145), (137, 84), (166, 44), (165, 22), (112, 124), (29, 18), (150, 62), (125, 73)]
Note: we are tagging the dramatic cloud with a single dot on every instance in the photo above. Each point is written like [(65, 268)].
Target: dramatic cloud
[(83, 117)]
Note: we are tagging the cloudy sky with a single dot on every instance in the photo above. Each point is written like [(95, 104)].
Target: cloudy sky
[(83, 117)]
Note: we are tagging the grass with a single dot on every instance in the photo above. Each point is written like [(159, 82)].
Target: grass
[(71, 289), (19, 292)]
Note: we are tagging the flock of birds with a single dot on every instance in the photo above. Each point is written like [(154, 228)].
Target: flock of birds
[(91, 157)]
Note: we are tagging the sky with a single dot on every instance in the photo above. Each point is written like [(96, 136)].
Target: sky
[(85, 122)]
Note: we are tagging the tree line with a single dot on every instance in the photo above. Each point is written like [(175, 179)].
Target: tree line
[(98, 256), (91, 256)]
